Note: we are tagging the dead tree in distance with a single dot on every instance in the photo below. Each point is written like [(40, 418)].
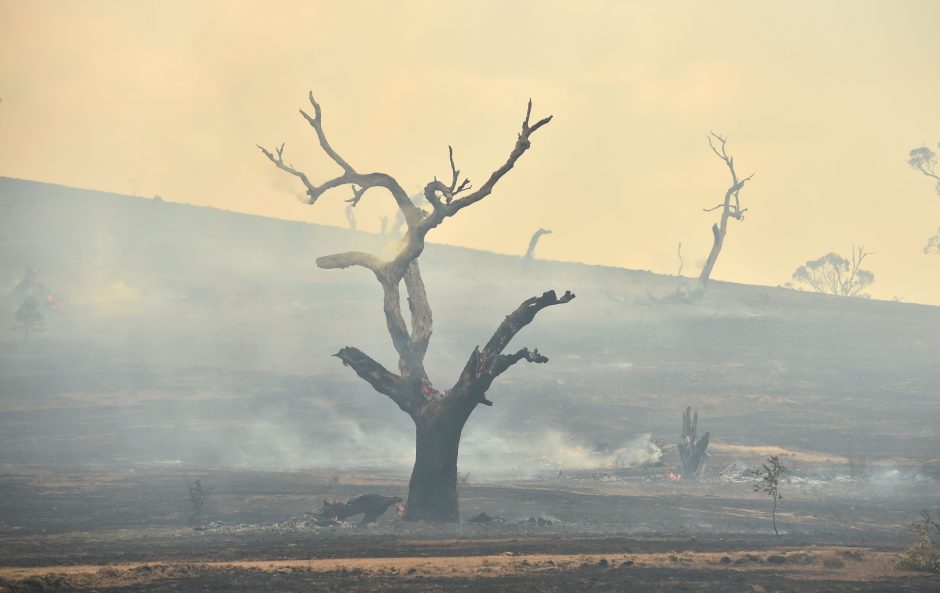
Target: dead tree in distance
[(439, 416), (350, 217), (691, 451), (530, 252), (730, 208)]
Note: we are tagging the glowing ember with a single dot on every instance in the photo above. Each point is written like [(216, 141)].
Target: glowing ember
[(54, 302)]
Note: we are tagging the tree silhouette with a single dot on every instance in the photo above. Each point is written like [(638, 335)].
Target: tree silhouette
[(439, 415), (730, 208), (834, 274), (925, 160), (28, 316), (770, 485)]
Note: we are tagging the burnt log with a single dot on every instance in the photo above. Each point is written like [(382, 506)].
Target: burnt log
[(370, 506)]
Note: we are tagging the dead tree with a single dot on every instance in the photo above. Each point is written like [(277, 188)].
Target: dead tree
[(350, 217), (691, 451), (439, 416), (730, 208), (530, 252)]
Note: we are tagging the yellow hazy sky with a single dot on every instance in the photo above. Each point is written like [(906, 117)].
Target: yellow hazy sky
[(821, 100)]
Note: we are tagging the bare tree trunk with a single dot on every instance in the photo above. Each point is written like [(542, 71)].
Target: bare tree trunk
[(530, 252), (717, 244), (432, 491), (729, 209), (773, 517)]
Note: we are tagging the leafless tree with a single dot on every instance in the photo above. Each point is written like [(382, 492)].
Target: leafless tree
[(439, 416), (530, 252), (834, 274), (730, 207)]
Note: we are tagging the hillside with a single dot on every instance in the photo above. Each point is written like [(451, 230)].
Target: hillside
[(200, 336)]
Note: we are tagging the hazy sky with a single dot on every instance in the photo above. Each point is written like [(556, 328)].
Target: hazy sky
[(821, 100)]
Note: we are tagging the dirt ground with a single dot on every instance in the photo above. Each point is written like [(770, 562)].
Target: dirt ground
[(129, 531)]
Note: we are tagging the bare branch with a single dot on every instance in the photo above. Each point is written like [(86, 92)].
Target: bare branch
[(357, 195), (507, 360), (485, 365), (280, 164), (522, 145), (349, 259), (402, 391), (350, 176), (317, 123)]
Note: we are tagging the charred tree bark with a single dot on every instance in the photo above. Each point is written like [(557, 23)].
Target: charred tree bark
[(432, 490), (730, 208), (691, 451), (439, 416)]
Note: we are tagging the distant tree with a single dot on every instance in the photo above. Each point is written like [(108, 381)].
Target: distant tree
[(925, 160), (350, 217), (925, 553), (834, 274), (28, 316), (530, 252), (198, 495), (770, 485), (730, 208), (933, 243)]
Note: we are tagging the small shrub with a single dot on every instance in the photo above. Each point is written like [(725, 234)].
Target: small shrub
[(924, 555), (198, 494), (770, 484)]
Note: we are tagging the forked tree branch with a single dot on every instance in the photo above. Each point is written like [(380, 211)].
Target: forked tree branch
[(400, 390), (350, 176), (411, 346), (485, 365)]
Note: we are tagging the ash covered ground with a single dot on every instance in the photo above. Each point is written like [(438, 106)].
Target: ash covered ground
[(173, 362)]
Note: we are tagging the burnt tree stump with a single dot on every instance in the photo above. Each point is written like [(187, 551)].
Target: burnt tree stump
[(691, 451)]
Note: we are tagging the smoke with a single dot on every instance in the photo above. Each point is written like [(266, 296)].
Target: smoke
[(338, 442)]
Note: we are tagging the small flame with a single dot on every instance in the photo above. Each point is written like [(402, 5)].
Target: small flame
[(673, 476), (53, 302), (399, 510)]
